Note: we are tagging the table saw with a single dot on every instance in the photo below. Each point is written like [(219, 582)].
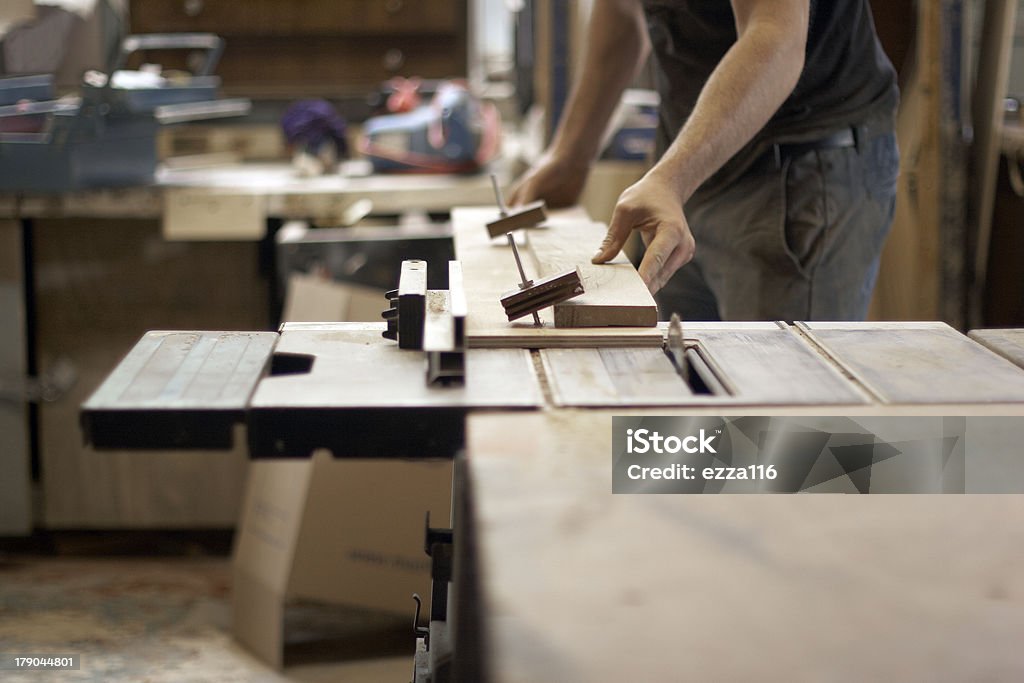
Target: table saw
[(552, 577)]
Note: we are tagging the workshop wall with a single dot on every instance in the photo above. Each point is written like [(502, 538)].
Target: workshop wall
[(100, 285), (323, 48)]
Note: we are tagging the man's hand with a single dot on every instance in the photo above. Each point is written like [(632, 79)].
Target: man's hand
[(651, 206), (556, 180)]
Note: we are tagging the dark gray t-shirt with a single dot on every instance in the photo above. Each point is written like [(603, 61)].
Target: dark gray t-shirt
[(847, 80)]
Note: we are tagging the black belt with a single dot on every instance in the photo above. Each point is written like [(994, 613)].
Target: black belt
[(847, 137)]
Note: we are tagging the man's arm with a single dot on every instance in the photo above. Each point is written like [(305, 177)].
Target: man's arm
[(616, 49), (753, 79)]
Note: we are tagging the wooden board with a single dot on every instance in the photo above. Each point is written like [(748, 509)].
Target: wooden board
[(919, 362), (1008, 343), (362, 396), (490, 271), (761, 364), (577, 584), (615, 295), (178, 390)]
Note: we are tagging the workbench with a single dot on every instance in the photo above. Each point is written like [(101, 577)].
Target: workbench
[(267, 190), (178, 223), (109, 257), (557, 578)]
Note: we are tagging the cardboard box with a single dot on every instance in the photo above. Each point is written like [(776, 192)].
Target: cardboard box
[(347, 532), (311, 298)]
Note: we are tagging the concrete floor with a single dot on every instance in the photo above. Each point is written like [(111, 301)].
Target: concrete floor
[(168, 619)]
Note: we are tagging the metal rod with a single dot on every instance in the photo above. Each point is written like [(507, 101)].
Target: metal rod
[(519, 264), (501, 199), (523, 282)]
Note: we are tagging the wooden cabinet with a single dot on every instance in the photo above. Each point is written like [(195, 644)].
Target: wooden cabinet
[(302, 48)]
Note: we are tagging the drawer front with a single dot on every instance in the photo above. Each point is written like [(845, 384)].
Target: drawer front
[(300, 17)]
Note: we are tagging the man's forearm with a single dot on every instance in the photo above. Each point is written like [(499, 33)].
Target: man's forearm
[(746, 88), (616, 49)]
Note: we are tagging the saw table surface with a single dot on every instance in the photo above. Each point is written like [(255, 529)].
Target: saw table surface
[(577, 584), (927, 362), (759, 363), (313, 382), (352, 366), (343, 387), (1008, 343), (178, 390)]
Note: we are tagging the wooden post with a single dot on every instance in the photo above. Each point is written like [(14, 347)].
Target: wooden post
[(987, 109), (15, 483)]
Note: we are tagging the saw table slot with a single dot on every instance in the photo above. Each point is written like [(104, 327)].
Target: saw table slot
[(615, 376), (727, 364), (290, 364), (702, 377)]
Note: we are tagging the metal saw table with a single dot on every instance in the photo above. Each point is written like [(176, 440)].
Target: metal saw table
[(555, 578)]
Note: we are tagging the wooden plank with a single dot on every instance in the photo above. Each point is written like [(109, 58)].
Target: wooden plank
[(489, 271), (615, 295), (762, 363), (362, 394), (524, 335), (919, 363), (1008, 343), (722, 585)]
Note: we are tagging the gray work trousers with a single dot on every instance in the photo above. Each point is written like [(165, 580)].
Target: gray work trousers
[(795, 238)]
